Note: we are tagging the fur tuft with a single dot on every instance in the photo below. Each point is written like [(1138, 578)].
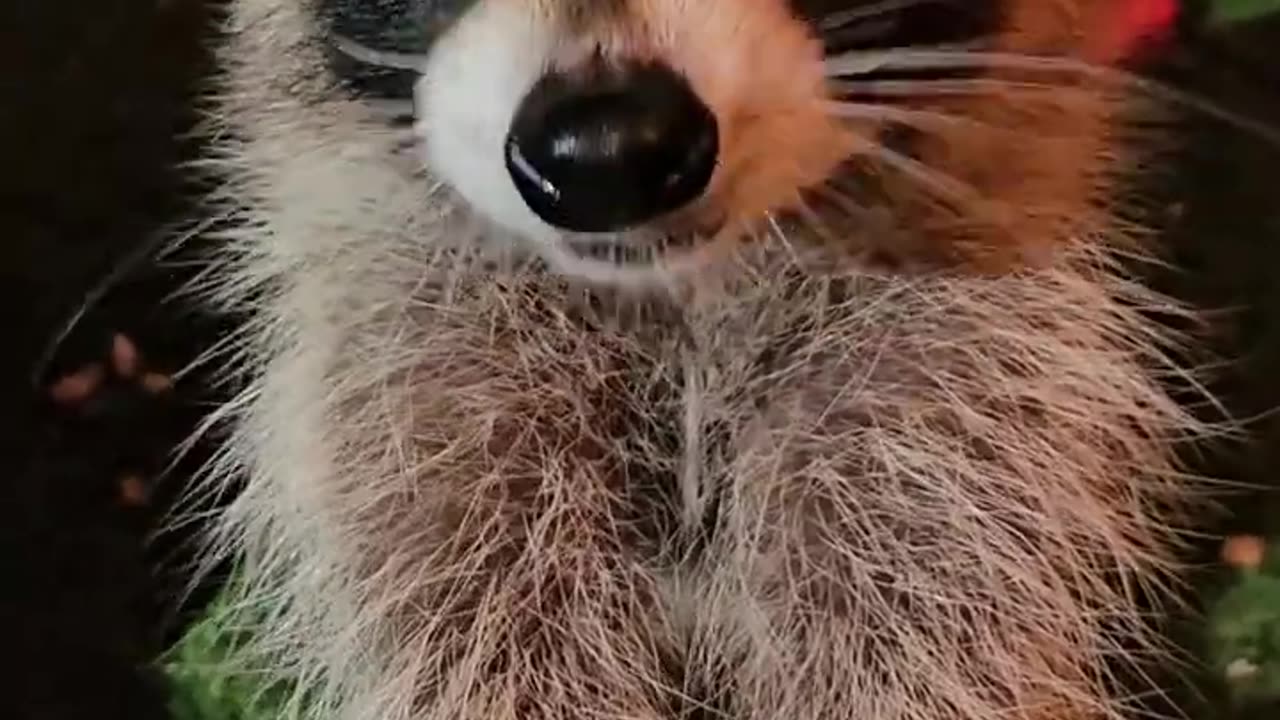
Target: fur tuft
[(816, 496), (786, 487)]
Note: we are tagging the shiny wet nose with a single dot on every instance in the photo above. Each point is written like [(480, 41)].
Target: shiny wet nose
[(611, 149)]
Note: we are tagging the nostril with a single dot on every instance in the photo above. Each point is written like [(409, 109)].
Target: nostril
[(611, 149)]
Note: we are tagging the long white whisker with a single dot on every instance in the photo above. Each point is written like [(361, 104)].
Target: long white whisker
[(939, 182), (813, 220), (381, 58), (844, 200), (935, 88), (851, 63), (842, 18), (863, 62), (781, 236), (906, 116)]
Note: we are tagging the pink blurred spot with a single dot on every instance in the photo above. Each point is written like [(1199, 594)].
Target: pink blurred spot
[(124, 356), (76, 388)]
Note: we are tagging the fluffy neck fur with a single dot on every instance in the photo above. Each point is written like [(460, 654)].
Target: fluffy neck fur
[(799, 491)]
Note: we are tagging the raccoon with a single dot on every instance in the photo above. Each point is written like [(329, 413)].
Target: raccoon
[(661, 359)]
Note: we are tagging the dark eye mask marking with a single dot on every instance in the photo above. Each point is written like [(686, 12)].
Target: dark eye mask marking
[(390, 26), (852, 25), (871, 25)]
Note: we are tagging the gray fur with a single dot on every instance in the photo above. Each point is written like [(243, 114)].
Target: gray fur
[(783, 487)]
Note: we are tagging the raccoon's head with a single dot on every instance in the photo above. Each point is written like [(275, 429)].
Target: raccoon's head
[(632, 136)]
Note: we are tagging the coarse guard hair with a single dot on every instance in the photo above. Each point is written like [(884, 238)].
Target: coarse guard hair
[(867, 420)]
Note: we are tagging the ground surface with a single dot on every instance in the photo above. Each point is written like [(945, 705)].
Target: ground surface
[(94, 95)]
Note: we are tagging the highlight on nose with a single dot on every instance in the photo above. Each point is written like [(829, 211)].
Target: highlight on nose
[(612, 148)]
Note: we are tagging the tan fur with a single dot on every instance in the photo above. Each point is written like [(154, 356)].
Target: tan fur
[(1043, 165), (783, 487), (780, 99), (714, 43)]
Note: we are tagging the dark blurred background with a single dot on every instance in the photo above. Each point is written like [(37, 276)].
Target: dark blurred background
[(96, 109), (96, 103)]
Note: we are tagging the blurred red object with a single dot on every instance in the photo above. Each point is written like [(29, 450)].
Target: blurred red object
[(1140, 24)]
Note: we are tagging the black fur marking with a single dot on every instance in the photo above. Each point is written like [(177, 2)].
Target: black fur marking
[(367, 80), (401, 26), (406, 26), (914, 24)]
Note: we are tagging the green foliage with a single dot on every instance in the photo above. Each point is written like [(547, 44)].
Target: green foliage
[(1243, 634), (1233, 11), (207, 680)]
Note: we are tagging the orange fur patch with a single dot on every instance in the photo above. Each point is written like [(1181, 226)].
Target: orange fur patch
[(761, 72), (1035, 163), (1040, 169)]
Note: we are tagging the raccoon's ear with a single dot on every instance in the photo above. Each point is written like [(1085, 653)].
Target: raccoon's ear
[(867, 24), (393, 26)]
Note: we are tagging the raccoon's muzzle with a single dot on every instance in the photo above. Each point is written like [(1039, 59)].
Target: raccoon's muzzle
[(612, 147)]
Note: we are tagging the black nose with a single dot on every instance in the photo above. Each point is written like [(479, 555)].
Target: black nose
[(612, 148)]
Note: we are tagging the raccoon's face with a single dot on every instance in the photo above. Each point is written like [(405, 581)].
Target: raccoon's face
[(633, 135)]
